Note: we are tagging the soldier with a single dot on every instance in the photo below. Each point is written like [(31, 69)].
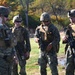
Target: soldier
[(23, 43), (69, 40), (7, 43), (48, 38)]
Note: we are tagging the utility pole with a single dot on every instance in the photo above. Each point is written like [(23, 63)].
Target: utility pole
[(26, 13), (25, 7)]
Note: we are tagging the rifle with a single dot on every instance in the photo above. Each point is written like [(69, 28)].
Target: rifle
[(40, 44), (70, 40), (40, 41), (71, 48)]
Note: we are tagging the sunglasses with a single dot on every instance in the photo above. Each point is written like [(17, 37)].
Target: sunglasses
[(18, 21), (45, 21)]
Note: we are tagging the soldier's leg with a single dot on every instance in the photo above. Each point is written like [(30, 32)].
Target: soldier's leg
[(69, 64), (52, 61), (42, 65), (15, 68), (69, 69), (22, 64)]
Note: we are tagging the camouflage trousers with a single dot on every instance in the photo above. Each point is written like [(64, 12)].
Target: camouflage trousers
[(22, 64), (51, 59), (15, 68), (70, 61), (5, 67), (6, 59)]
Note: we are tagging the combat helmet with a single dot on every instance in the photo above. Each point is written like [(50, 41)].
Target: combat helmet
[(4, 11), (17, 18), (45, 17), (71, 13)]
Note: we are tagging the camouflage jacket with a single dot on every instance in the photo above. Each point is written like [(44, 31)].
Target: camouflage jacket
[(50, 35), (7, 41), (22, 36)]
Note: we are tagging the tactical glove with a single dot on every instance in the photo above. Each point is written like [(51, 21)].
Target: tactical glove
[(64, 40), (27, 55), (49, 47), (36, 39)]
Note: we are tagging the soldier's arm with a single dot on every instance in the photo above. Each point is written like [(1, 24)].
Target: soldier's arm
[(56, 41), (27, 40), (56, 37)]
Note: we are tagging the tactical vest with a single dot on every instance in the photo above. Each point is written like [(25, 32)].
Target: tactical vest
[(6, 37), (46, 35), (18, 32)]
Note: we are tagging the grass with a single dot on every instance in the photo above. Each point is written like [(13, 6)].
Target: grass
[(32, 66)]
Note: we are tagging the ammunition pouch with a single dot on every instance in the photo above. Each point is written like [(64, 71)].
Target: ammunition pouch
[(8, 58), (45, 34), (7, 42), (48, 37), (7, 38), (5, 35)]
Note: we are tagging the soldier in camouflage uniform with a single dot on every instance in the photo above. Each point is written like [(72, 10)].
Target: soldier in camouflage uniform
[(48, 38), (69, 40), (7, 43), (23, 43)]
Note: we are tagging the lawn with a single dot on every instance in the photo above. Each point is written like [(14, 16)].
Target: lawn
[(32, 66)]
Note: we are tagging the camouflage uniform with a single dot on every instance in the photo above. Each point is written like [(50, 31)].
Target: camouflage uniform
[(7, 44), (70, 44), (23, 45), (48, 34)]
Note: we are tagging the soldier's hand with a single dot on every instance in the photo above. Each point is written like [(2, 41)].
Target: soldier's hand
[(64, 39), (49, 47), (36, 39), (15, 58), (27, 55)]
